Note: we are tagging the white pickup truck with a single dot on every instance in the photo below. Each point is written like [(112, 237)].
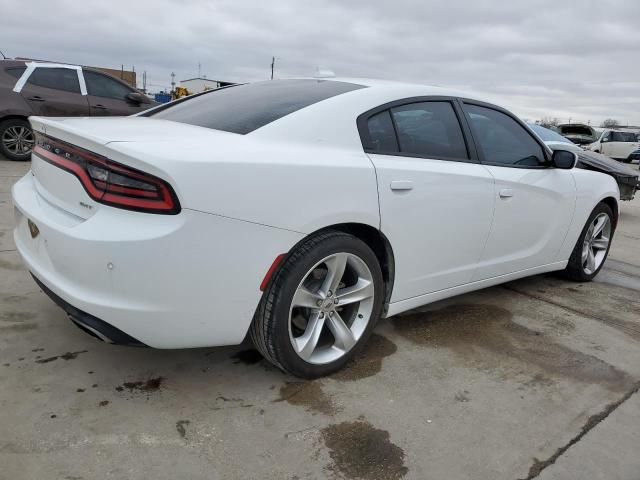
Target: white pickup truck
[(616, 144)]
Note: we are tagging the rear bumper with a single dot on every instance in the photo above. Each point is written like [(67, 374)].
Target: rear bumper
[(90, 324), (166, 281)]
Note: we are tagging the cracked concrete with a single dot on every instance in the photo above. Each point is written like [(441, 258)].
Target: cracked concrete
[(534, 379)]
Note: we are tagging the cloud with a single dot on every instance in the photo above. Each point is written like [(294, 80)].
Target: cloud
[(540, 57)]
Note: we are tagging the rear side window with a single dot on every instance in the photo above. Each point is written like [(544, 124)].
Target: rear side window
[(503, 141), (245, 108), (64, 79), (382, 135), (104, 86), (429, 129), (16, 72)]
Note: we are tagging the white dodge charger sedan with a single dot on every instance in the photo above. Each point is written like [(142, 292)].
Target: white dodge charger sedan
[(298, 212)]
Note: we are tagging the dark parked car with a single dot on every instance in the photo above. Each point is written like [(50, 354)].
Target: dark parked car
[(626, 178), (56, 90)]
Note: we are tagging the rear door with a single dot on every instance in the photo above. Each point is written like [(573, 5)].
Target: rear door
[(55, 92), (436, 201), (534, 202), (108, 96)]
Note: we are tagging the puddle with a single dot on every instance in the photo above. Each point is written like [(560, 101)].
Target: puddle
[(147, 386), (360, 451), (486, 337), (64, 356), (369, 361), (309, 395), (180, 427)]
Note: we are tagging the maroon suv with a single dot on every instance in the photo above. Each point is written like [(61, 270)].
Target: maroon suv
[(56, 90)]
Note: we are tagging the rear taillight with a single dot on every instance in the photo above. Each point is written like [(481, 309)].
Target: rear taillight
[(107, 181)]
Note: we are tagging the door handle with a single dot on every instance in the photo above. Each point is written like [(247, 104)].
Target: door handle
[(36, 98), (99, 107), (402, 185), (505, 193)]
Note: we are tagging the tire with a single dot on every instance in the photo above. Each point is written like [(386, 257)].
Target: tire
[(280, 321), (12, 130), (578, 269)]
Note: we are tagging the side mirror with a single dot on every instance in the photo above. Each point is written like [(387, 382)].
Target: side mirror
[(137, 97), (564, 159)]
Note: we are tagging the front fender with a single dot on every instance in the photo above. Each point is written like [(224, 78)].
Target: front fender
[(591, 188)]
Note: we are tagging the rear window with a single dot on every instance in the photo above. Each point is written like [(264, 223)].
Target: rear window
[(245, 108)]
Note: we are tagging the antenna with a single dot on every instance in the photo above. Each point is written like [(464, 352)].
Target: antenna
[(273, 63), (2, 55), (199, 70)]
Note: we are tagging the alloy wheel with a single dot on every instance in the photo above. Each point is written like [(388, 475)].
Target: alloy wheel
[(331, 308), (596, 243), (18, 140)]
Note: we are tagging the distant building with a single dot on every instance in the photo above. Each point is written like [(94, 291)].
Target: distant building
[(127, 76), (197, 85)]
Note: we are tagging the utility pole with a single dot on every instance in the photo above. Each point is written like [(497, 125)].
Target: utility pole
[(199, 70), (273, 62), (144, 81)]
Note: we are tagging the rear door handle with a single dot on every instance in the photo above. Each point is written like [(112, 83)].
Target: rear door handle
[(402, 185), (506, 193), (36, 98), (100, 107)]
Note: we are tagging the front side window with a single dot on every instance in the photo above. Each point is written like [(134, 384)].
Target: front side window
[(502, 140), (64, 79), (103, 86), (429, 129)]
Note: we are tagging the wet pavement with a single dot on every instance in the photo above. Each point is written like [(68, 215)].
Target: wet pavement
[(537, 378)]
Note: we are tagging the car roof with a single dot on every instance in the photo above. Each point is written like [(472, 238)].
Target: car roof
[(398, 86)]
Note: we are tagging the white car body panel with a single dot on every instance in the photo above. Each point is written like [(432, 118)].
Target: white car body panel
[(438, 228), (163, 288), (532, 214), (192, 279)]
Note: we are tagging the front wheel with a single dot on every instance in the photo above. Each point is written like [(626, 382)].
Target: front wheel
[(321, 305), (16, 139), (592, 248)]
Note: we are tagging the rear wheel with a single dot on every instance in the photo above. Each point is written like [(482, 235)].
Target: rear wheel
[(592, 248), (16, 139), (320, 307)]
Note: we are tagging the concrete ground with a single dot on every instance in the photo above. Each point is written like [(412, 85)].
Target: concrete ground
[(537, 378)]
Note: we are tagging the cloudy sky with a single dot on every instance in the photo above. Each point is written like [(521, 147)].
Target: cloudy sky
[(577, 59)]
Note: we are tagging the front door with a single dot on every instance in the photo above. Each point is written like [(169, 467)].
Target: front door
[(436, 202), (108, 96), (534, 202)]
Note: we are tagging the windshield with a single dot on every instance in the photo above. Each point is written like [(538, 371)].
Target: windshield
[(245, 108), (547, 135)]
